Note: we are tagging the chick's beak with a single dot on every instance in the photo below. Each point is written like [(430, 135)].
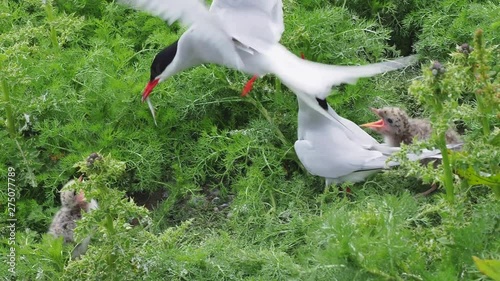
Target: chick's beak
[(80, 197), (375, 125), (149, 88), (376, 111)]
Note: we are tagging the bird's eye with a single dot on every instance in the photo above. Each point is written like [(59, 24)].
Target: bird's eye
[(389, 120)]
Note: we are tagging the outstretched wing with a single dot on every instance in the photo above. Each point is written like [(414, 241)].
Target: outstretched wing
[(210, 31), (255, 23), (186, 11)]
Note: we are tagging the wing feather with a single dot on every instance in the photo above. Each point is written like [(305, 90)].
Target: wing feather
[(186, 11), (208, 28), (255, 23)]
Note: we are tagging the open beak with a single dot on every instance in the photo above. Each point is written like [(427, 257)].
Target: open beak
[(149, 88), (374, 125)]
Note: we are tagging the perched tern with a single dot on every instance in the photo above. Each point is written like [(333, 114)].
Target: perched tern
[(339, 150), (398, 128), (245, 35)]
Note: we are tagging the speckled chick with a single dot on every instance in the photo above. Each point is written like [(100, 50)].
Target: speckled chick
[(64, 221), (397, 127)]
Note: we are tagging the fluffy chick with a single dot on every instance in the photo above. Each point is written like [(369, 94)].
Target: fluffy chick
[(397, 127), (64, 221)]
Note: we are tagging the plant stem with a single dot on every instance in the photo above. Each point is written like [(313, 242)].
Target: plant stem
[(448, 175), (273, 201), (50, 18), (482, 71), (484, 119), (266, 115), (278, 85), (8, 109), (441, 142), (30, 174)]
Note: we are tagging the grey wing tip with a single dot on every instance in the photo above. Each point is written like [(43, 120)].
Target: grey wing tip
[(403, 62), (455, 146), (410, 59), (125, 2)]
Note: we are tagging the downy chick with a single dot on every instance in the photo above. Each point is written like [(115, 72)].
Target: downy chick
[(398, 128), (64, 222)]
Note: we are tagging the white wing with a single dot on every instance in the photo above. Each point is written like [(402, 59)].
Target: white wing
[(337, 158), (255, 23), (185, 11), (353, 131), (332, 155), (316, 79), (325, 147), (346, 126), (208, 29)]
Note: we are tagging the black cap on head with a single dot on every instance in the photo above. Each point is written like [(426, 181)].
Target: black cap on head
[(163, 59)]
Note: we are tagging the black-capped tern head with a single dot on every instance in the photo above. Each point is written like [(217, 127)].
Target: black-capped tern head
[(161, 62)]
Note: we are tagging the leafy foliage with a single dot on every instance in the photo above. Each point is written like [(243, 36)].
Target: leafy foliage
[(489, 267), (465, 85)]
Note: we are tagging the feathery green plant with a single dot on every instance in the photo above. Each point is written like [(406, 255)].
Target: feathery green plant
[(213, 147), (441, 89), (50, 18), (438, 90)]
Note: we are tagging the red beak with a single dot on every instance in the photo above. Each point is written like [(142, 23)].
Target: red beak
[(149, 88)]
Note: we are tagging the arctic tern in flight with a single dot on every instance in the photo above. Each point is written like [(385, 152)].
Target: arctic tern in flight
[(245, 35)]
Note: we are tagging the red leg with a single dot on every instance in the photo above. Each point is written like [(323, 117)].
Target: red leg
[(248, 86)]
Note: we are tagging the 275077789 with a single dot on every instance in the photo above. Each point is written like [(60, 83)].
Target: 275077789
[(11, 208)]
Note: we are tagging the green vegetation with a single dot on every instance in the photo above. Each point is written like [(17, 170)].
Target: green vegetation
[(238, 205)]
